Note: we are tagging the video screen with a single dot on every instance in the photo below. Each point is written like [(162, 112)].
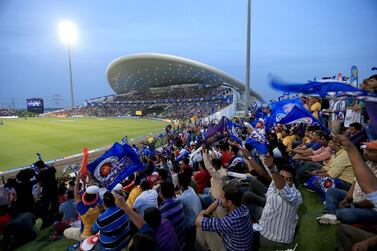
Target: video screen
[(35, 105)]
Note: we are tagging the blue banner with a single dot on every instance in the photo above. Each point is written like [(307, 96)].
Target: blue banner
[(290, 112), (322, 89), (115, 165)]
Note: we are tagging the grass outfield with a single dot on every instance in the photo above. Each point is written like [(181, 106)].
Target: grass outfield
[(58, 137)]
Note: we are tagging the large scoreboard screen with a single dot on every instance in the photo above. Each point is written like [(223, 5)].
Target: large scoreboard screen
[(35, 105)]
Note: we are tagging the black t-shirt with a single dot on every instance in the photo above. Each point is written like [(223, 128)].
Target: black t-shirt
[(47, 181), (21, 227)]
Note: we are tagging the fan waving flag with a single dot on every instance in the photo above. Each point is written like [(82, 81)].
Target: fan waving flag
[(84, 164), (215, 132), (315, 88), (115, 165), (290, 112)]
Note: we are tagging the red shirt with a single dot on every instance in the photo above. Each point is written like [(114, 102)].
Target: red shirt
[(4, 219), (202, 179), (152, 179), (226, 157)]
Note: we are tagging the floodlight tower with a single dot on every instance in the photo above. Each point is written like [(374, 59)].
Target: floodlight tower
[(68, 36), (247, 89)]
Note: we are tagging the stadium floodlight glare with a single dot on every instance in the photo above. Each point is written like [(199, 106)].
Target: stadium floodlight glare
[(68, 36), (67, 32)]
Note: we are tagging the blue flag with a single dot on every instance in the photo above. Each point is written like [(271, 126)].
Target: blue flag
[(115, 165), (318, 88), (291, 111), (257, 140), (235, 138), (182, 154)]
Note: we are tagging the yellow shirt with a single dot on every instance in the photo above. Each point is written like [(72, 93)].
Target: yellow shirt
[(306, 140), (88, 219), (279, 135), (340, 166), (135, 192), (314, 108), (288, 141)]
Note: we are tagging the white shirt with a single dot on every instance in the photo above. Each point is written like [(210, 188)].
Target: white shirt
[(338, 105), (191, 205), (279, 217), (144, 200)]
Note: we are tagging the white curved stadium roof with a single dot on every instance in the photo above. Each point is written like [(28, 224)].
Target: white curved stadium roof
[(139, 72)]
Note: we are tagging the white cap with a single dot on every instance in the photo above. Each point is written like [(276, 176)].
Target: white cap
[(92, 190)]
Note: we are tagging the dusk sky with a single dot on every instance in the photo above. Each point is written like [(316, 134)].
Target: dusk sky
[(296, 40)]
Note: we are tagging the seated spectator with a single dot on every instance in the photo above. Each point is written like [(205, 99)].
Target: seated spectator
[(186, 164), (68, 208), (163, 175), (313, 145), (357, 134), (226, 154), (148, 198), (113, 226), (172, 210), (152, 176), (279, 217), (135, 192), (190, 200), (23, 185), (352, 207), (218, 174), (16, 228), (163, 231), (315, 106), (288, 139), (88, 207), (21, 229), (141, 242), (339, 167), (232, 232), (310, 161), (5, 203), (202, 178), (350, 237)]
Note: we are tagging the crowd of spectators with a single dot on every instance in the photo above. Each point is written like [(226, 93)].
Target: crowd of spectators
[(8, 112), (178, 93), (227, 195), (181, 104)]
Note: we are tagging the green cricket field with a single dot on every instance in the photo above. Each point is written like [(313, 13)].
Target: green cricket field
[(21, 139)]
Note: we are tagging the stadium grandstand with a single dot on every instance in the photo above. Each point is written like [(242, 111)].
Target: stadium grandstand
[(166, 87)]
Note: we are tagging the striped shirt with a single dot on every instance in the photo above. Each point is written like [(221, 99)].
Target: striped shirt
[(236, 229), (114, 228), (279, 217), (68, 209), (172, 210)]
